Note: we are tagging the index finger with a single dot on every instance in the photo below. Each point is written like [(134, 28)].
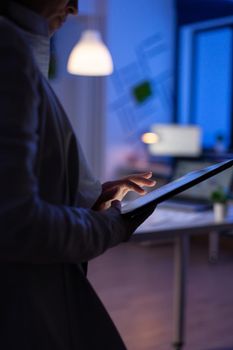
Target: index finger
[(141, 180), (146, 175)]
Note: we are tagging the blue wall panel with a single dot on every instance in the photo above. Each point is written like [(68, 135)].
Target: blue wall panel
[(211, 107)]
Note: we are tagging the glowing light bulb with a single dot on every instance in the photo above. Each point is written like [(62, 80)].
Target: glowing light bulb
[(150, 138), (90, 56)]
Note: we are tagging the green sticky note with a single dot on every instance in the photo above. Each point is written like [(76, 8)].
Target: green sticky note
[(142, 91)]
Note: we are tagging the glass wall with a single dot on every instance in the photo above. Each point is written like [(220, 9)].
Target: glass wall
[(205, 80), (211, 92)]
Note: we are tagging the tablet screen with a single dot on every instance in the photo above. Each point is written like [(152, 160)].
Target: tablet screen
[(171, 189)]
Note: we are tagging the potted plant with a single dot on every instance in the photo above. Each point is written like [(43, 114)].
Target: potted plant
[(219, 198)]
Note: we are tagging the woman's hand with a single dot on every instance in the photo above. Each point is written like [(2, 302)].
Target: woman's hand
[(116, 190)]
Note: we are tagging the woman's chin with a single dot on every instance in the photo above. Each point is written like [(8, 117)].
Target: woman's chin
[(55, 25)]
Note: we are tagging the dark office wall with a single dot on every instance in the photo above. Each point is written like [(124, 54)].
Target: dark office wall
[(141, 40), (190, 11)]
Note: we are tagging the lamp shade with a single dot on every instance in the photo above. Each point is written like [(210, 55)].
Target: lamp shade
[(90, 56)]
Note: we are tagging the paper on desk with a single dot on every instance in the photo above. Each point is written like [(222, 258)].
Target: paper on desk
[(165, 218)]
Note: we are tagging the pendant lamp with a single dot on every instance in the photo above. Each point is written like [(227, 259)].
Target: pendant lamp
[(90, 56)]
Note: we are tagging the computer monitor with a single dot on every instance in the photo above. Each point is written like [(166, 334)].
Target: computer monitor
[(176, 140)]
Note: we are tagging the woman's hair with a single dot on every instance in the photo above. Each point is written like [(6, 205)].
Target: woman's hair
[(3, 8), (4, 3)]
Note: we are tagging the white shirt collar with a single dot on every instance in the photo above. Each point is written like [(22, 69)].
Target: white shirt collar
[(35, 30)]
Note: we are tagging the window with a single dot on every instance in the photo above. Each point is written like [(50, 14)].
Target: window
[(205, 79)]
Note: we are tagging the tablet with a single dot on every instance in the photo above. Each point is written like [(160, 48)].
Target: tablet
[(171, 189)]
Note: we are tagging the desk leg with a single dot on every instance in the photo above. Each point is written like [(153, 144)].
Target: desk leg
[(181, 260), (213, 246)]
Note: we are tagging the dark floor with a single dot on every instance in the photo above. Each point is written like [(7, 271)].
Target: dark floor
[(135, 282)]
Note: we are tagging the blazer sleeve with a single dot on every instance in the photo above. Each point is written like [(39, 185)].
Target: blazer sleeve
[(32, 230)]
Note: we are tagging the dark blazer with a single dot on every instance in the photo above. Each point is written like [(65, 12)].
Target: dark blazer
[(46, 301)]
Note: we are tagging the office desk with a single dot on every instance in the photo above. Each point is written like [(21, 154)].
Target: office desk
[(180, 225)]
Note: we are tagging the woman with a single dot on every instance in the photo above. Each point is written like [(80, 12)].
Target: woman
[(51, 220)]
